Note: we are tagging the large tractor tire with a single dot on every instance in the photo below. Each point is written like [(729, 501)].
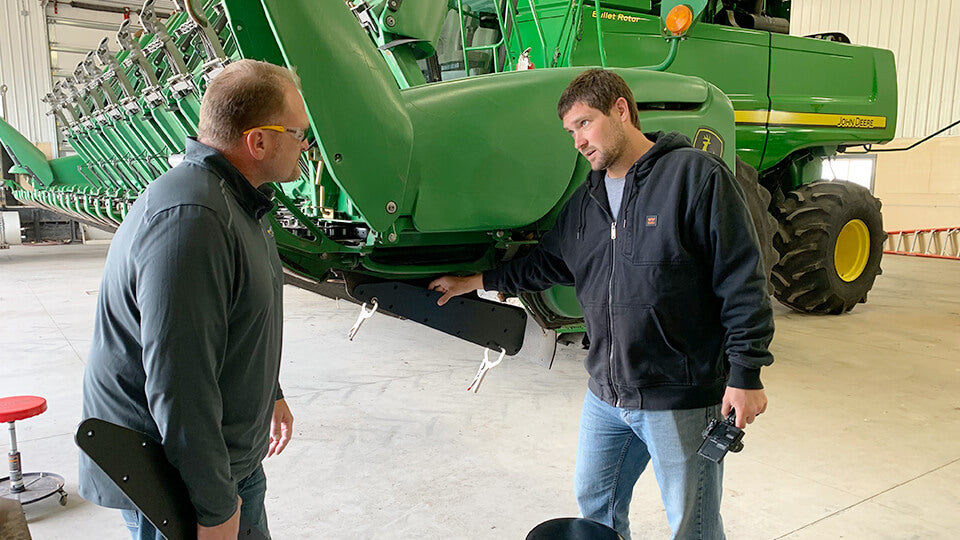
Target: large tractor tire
[(758, 202), (830, 242)]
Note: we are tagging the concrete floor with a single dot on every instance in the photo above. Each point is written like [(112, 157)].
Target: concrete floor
[(861, 439)]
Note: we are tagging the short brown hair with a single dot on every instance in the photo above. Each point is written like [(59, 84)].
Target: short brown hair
[(600, 89), (247, 93)]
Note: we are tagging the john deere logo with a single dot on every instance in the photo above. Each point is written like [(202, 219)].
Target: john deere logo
[(709, 141)]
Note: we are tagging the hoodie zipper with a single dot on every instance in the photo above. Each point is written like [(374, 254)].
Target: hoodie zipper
[(613, 268), (613, 260), (624, 204)]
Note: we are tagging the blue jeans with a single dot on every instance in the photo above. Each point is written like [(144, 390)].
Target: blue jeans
[(251, 489), (615, 446)]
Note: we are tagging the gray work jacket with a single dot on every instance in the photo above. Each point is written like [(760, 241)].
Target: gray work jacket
[(186, 346)]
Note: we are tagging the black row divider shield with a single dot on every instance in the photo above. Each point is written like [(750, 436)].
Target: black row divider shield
[(137, 464), (487, 323)]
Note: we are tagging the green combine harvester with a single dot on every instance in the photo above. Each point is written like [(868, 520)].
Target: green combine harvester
[(435, 154)]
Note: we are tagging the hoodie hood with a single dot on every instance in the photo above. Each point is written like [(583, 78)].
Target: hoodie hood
[(663, 143)]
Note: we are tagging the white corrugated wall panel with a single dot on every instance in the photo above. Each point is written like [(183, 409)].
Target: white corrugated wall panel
[(924, 36), (25, 69), (77, 37)]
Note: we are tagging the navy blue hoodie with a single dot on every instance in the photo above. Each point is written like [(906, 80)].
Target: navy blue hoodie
[(673, 291)]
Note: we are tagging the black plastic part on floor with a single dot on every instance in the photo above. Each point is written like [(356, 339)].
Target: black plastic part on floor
[(572, 529)]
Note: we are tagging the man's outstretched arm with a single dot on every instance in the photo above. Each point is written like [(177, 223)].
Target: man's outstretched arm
[(540, 269)]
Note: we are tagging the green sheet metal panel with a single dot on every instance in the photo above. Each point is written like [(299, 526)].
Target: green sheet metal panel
[(364, 133), (65, 171), (491, 152), (633, 5), (562, 301), (737, 61), (826, 94), (26, 154)]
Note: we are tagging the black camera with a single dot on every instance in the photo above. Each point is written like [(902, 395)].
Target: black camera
[(720, 437)]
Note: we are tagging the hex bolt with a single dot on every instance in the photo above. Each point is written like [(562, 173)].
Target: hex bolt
[(391, 207), (338, 157), (390, 21), (392, 237)]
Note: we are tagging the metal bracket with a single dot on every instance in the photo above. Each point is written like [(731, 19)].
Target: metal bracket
[(398, 42), (364, 315), (362, 11)]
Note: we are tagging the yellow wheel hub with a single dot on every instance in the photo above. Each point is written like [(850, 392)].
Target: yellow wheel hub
[(853, 250)]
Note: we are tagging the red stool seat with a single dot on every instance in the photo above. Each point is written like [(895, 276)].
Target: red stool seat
[(30, 487), (19, 407)]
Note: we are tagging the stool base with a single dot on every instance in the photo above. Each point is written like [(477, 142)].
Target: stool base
[(39, 485)]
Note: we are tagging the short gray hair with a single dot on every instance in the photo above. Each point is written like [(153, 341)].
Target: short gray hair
[(246, 94)]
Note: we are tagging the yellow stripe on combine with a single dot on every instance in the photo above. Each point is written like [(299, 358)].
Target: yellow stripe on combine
[(751, 117), (781, 118)]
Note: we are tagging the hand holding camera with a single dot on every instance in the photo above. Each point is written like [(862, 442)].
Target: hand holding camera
[(720, 437)]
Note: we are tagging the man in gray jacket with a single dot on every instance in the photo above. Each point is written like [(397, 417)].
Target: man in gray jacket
[(186, 346)]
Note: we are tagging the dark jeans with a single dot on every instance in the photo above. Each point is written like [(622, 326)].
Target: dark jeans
[(251, 489)]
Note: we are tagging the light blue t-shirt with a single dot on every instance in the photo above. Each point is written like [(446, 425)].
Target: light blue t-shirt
[(614, 192)]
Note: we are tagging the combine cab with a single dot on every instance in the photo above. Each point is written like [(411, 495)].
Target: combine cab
[(433, 154)]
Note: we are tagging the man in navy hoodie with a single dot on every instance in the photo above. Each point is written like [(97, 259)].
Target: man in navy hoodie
[(661, 250)]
